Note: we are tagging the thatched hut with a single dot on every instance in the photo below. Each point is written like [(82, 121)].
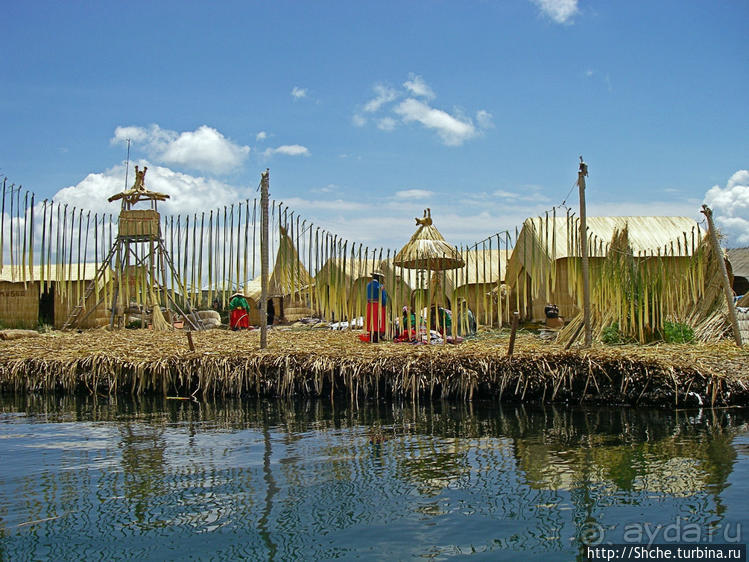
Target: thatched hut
[(340, 286), (739, 260), (29, 302), (400, 282), (480, 282), (289, 285), (545, 263)]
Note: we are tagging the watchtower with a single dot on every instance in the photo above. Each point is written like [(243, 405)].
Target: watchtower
[(139, 261)]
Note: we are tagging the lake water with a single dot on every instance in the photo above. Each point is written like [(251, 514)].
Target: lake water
[(264, 479)]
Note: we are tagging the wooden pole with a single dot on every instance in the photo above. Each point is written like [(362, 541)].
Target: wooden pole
[(581, 174), (2, 225), (515, 319), (724, 277), (264, 181)]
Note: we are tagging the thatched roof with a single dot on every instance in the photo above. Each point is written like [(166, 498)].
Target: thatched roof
[(483, 266), (288, 275), (739, 258), (335, 271), (646, 235), (427, 249), (51, 273)]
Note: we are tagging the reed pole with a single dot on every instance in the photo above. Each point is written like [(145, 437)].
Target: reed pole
[(2, 225), (264, 181), (11, 247), (581, 174), (707, 211)]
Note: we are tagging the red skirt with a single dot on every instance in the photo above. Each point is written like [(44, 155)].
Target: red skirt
[(239, 319), (375, 318)]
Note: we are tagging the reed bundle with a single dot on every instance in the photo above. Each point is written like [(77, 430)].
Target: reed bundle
[(324, 363)]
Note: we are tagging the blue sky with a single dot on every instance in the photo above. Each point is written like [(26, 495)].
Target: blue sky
[(366, 113)]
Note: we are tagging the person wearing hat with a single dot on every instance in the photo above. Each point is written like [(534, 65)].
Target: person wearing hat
[(239, 315), (376, 302)]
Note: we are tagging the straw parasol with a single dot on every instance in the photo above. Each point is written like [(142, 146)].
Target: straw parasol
[(427, 249)]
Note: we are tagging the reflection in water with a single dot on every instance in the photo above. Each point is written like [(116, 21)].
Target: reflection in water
[(263, 479)]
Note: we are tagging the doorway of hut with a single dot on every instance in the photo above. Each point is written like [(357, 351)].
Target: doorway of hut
[(47, 307)]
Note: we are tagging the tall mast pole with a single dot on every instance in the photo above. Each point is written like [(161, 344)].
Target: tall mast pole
[(264, 185), (127, 165), (581, 175)]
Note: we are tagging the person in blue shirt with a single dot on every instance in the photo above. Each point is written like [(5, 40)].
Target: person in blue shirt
[(377, 299)]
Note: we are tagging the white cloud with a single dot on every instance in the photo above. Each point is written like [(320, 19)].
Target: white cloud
[(413, 194), (386, 124), (528, 193), (452, 130), (288, 150), (560, 11), (416, 85), (506, 194), (188, 194), (330, 188), (204, 149), (261, 136), (730, 207), (384, 95), (589, 72), (154, 139), (484, 119), (298, 93)]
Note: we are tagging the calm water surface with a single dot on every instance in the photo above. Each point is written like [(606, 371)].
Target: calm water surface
[(165, 479)]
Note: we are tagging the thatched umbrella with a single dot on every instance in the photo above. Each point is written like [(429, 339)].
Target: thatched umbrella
[(428, 250)]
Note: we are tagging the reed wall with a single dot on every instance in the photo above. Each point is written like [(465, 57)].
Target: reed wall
[(19, 305)]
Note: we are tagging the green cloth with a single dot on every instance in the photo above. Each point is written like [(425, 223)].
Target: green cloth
[(238, 302)]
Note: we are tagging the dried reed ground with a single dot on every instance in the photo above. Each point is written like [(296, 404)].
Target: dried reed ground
[(321, 362)]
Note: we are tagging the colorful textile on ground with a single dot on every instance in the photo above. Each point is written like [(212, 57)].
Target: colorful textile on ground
[(406, 335)]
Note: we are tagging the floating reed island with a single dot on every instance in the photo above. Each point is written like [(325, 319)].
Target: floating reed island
[(313, 362)]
